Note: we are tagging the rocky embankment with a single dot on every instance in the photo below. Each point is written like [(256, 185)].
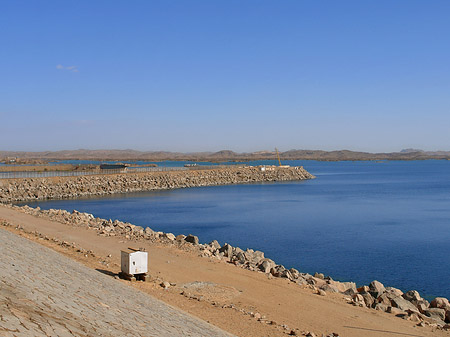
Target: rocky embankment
[(409, 305), (28, 189)]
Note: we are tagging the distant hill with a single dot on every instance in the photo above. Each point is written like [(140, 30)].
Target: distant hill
[(411, 150), (224, 155)]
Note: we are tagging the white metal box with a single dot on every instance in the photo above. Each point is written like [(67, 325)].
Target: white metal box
[(134, 262)]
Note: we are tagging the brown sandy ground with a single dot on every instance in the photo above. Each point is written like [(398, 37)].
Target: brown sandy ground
[(239, 301)]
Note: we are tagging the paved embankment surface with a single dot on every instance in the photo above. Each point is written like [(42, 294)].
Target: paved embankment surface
[(43, 293), (14, 190)]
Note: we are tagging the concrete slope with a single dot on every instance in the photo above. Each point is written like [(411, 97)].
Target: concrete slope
[(43, 293)]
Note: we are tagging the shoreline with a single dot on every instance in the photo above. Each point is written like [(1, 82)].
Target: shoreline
[(224, 155), (375, 297), (237, 300), (409, 305)]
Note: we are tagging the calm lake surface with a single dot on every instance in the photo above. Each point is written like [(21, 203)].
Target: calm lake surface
[(358, 221)]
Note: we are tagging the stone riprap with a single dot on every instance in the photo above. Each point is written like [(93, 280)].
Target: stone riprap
[(43, 293), (28, 189), (409, 305)]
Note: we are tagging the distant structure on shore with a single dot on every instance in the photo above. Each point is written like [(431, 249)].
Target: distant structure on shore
[(113, 166), (279, 160)]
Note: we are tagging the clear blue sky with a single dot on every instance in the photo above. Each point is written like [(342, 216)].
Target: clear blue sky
[(232, 74)]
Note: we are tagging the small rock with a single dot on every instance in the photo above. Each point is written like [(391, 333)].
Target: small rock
[(358, 298), (169, 236), (319, 275), (321, 292), (165, 284), (414, 318), (180, 237)]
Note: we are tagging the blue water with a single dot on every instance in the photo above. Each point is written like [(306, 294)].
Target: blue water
[(357, 221)]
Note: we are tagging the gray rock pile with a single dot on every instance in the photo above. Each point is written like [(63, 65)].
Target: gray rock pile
[(409, 305), (27, 189)]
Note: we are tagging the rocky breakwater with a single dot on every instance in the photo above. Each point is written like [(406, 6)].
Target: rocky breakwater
[(409, 305), (28, 189)]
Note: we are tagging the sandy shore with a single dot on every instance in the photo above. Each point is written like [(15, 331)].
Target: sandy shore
[(239, 301)]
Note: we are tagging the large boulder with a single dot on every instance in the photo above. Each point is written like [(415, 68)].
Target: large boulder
[(380, 306), (169, 236), (385, 299), (147, 230), (237, 250), (192, 239), (227, 250), (435, 313), (214, 244), (318, 282), (376, 288), (394, 291), (415, 298), (278, 270), (402, 304), (329, 288), (239, 257), (359, 299), (440, 302), (343, 287), (363, 289), (319, 275), (254, 257), (295, 273), (412, 296), (368, 299), (287, 274), (266, 265)]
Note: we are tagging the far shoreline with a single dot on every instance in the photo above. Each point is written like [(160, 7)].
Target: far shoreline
[(219, 156)]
